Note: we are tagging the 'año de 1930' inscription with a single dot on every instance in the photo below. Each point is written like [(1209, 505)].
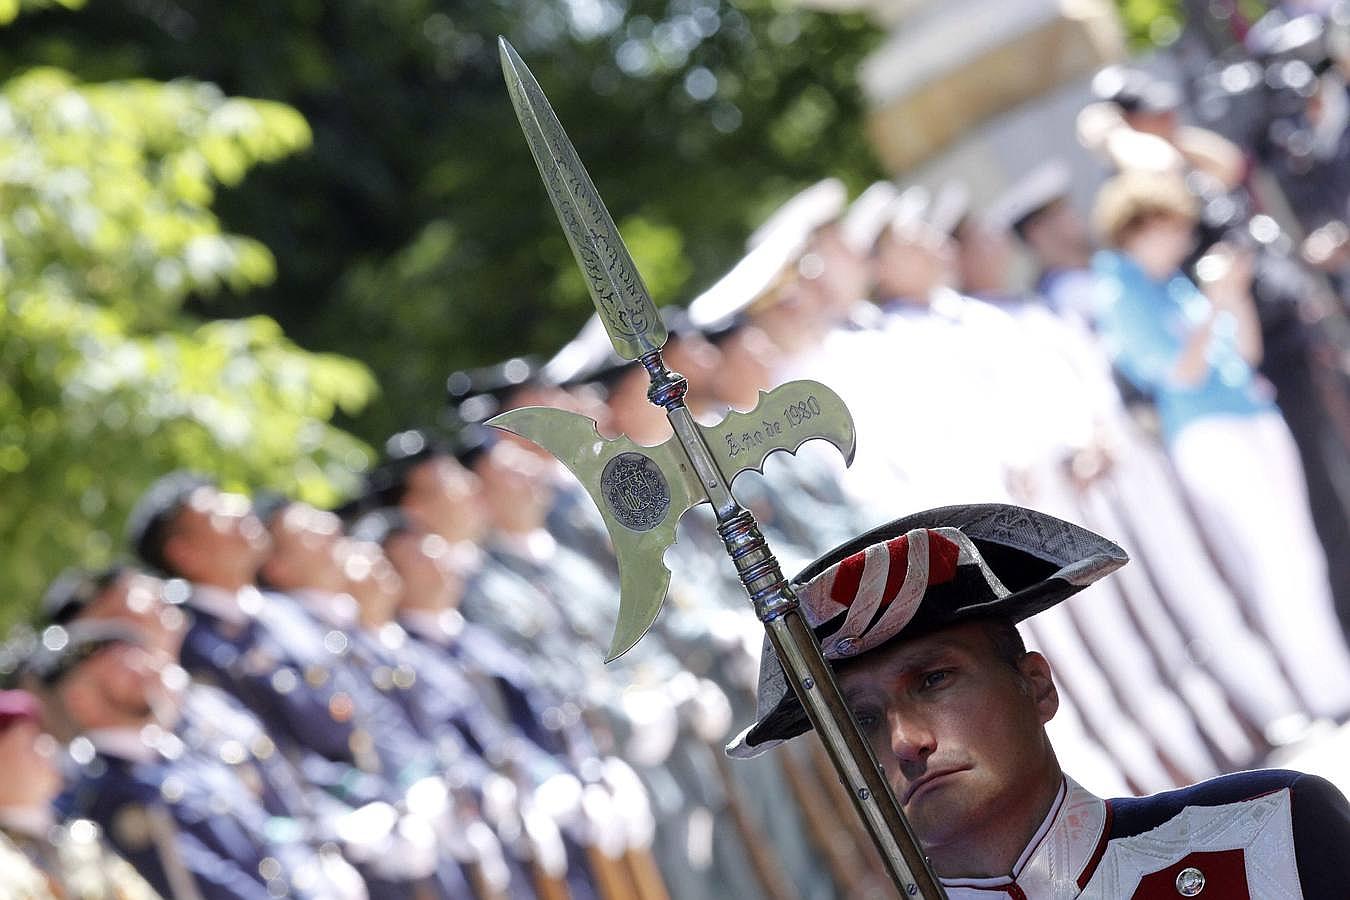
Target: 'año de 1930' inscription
[(794, 414)]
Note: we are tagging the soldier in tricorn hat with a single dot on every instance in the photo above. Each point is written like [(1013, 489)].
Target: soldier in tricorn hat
[(918, 618)]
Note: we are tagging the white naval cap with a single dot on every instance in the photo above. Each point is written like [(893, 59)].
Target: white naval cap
[(807, 210), (869, 215), (588, 356), (749, 280)]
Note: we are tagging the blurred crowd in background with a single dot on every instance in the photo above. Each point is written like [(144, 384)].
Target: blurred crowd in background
[(406, 696)]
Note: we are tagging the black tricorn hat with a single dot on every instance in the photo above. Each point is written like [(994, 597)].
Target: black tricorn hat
[(922, 573)]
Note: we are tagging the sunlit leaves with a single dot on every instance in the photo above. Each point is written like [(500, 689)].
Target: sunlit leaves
[(105, 383), (110, 184), (1152, 23), (414, 234), (10, 9)]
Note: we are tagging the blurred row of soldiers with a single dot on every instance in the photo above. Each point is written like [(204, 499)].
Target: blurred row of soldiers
[(406, 697)]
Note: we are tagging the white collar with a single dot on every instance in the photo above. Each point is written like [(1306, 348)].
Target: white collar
[(29, 821), (231, 607), (1056, 855), (438, 627), (130, 744), (338, 611), (1335, 117), (537, 547)]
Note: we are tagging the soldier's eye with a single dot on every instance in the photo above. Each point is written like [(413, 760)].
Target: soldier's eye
[(867, 719), (935, 678)]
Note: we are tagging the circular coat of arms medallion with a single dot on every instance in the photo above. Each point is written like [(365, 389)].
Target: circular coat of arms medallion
[(636, 491)]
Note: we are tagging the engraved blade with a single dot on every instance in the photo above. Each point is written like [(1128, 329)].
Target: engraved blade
[(616, 287), (641, 493), (783, 419)]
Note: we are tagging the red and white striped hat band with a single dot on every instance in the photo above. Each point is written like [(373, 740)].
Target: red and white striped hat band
[(880, 587)]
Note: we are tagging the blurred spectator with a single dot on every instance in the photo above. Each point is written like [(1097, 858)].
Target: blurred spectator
[(41, 858), (1299, 356), (1195, 352)]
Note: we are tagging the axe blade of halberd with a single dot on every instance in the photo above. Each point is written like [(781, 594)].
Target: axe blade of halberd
[(641, 493), (783, 419)]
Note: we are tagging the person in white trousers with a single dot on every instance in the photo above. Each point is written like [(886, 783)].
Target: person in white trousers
[(1195, 354)]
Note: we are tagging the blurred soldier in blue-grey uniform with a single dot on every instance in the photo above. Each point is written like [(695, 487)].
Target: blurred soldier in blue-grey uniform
[(349, 589), (40, 857), (178, 817), (428, 612), (437, 489), (639, 711), (478, 394), (341, 731), (212, 721), (524, 741)]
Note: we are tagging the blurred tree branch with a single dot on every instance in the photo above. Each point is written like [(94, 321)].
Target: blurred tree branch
[(105, 381)]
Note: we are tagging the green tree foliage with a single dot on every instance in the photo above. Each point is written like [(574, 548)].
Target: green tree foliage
[(1151, 22), (105, 382), (414, 234)]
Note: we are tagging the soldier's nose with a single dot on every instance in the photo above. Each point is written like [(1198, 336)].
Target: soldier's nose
[(912, 741)]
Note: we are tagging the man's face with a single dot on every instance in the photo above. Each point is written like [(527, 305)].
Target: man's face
[(958, 731), (28, 759), (913, 260), (694, 357), (749, 361), (1059, 223), (423, 561), (984, 258), (847, 274), (446, 498), (216, 539), (1161, 244), (305, 545), (138, 599), (371, 579), (119, 685), (516, 486)]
